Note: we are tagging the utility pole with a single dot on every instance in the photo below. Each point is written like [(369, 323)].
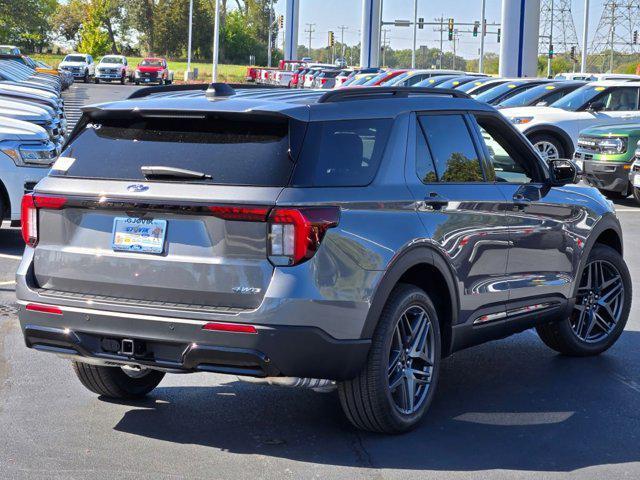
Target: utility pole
[(415, 33), (585, 34), (270, 40), (550, 42), (483, 32), (384, 46), (613, 33), (190, 33), (440, 58), (216, 43), (455, 40), (342, 28), (310, 32)]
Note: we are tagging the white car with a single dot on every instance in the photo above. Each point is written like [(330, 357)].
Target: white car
[(112, 68), (554, 130), (26, 154), (597, 77), (80, 65)]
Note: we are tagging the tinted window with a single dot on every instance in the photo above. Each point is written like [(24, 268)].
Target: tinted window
[(451, 148), (341, 153), (619, 100), (425, 168), (234, 150)]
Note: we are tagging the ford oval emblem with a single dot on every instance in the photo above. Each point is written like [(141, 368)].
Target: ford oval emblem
[(138, 187)]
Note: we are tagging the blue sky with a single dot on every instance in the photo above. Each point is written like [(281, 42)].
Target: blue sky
[(329, 14)]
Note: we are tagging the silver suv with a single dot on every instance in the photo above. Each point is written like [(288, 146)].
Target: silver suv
[(355, 236)]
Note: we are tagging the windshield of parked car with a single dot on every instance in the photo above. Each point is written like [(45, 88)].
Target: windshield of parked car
[(396, 79), (378, 77), (528, 97), (471, 85), (497, 91), (74, 58), (151, 63), (362, 80), (578, 98), (456, 82), (111, 60)]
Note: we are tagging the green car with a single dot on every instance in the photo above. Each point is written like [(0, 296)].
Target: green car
[(606, 155)]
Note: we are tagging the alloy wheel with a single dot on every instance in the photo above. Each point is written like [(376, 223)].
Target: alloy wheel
[(547, 150), (599, 303), (411, 360)]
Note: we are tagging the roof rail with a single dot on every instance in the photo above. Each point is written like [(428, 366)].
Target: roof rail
[(146, 91), (396, 92)]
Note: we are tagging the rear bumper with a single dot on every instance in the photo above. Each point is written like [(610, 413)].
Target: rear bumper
[(95, 336)]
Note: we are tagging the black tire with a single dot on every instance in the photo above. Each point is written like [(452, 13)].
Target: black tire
[(636, 194), (367, 400), (137, 82), (611, 195), (85, 79), (122, 80), (113, 382), (96, 80), (167, 82), (545, 137), (561, 337)]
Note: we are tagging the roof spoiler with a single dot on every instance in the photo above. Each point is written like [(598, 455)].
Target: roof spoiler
[(216, 89)]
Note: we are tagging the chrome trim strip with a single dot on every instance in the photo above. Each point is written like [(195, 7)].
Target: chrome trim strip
[(492, 317)]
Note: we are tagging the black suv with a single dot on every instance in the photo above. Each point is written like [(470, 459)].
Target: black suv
[(354, 237)]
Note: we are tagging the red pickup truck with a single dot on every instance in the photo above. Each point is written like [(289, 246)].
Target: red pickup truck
[(153, 70)]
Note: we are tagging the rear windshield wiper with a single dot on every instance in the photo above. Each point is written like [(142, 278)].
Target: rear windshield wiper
[(158, 171)]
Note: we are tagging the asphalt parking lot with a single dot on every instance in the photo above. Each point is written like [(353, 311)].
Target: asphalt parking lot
[(508, 409)]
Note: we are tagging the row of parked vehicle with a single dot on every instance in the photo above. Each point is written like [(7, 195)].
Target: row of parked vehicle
[(115, 68), (33, 124), (581, 116)]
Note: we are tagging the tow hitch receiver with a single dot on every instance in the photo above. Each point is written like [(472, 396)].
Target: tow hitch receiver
[(127, 347)]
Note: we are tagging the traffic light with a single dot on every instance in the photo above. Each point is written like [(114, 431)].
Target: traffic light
[(635, 37), (551, 51), (281, 22), (499, 34), (332, 40), (451, 26), (421, 23), (476, 27)]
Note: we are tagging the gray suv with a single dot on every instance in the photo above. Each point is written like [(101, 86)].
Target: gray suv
[(355, 236)]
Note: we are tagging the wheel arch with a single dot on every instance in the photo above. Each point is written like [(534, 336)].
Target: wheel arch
[(5, 206), (607, 231), (424, 268), (555, 132)]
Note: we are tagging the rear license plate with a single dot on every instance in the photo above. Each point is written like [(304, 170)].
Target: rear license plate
[(139, 235)]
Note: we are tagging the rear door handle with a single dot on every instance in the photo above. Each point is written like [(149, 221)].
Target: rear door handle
[(435, 201)]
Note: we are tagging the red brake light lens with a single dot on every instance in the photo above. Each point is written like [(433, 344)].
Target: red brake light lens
[(296, 233), (35, 307), (230, 327), (31, 203), (242, 214)]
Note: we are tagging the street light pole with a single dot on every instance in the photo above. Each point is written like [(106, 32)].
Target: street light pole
[(270, 41), (483, 32), (415, 33), (585, 34), (550, 41), (216, 43), (190, 33)]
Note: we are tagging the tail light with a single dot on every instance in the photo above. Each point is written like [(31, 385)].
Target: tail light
[(31, 203), (295, 234), (323, 81)]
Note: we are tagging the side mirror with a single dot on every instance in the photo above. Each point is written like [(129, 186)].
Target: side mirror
[(563, 172), (595, 107)]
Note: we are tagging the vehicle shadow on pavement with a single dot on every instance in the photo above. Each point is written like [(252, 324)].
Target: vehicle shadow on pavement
[(512, 404)]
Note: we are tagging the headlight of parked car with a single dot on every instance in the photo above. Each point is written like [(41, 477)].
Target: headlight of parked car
[(520, 120), (41, 154), (610, 146)]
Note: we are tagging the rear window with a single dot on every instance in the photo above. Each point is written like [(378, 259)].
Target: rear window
[(341, 153), (233, 150)]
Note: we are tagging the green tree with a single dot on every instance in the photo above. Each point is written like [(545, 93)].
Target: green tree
[(93, 37), (26, 22)]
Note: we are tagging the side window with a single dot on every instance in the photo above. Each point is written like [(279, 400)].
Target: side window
[(505, 162), (425, 168), (555, 96), (620, 100), (451, 147)]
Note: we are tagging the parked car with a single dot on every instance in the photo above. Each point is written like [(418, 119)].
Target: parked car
[(112, 67), (80, 65), (479, 85), (153, 70), (504, 91), (384, 76), (554, 130), (27, 153), (12, 73), (9, 50), (459, 81), (375, 236), (326, 79), (36, 114), (542, 95), (342, 77), (411, 77), (34, 96), (597, 77), (605, 155), (66, 77)]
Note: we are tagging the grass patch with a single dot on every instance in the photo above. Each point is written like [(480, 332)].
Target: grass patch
[(226, 73)]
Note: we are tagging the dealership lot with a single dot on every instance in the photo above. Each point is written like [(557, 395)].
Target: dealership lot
[(511, 409)]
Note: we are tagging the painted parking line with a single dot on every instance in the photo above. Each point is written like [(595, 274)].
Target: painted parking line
[(8, 282), (634, 210), (11, 257)]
